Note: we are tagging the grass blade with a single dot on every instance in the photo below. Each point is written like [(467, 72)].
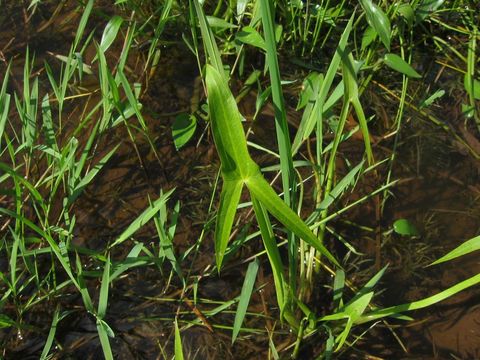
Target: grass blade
[(229, 199), (178, 343), (262, 190), (245, 295), (142, 219), (465, 248)]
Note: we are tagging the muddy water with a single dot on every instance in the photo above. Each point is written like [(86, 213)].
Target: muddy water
[(439, 194)]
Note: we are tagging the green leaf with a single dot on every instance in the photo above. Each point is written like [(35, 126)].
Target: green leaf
[(5, 321), (104, 332), (183, 128), (216, 22), (229, 199), (178, 343), (426, 7), (465, 248), (142, 219), (378, 20), (396, 63), (431, 99), (245, 295), (248, 35), (406, 11), (110, 32), (405, 227), (103, 297), (368, 36), (472, 88), (262, 190)]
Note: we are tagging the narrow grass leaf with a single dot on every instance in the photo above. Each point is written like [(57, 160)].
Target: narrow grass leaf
[(229, 200), (273, 253), (378, 20), (262, 190), (466, 248), (78, 189), (245, 295), (208, 39), (83, 23), (103, 333), (178, 343), (142, 219), (396, 63), (420, 304), (103, 297)]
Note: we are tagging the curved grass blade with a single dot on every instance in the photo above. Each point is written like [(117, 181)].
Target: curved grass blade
[(245, 295), (142, 219), (465, 248), (420, 304)]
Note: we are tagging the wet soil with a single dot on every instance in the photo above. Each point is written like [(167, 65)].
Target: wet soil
[(438, 191)]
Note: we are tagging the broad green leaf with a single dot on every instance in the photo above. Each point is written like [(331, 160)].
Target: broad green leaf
[(406, 11), (405, 227), (426, 7), (227, 129), (245, 295), (178, 343), (110, 32), (465, 248), (368, 36), (378, 20), (183, 129), (396, 63), (248, 35), (219, 23), (241, 6)]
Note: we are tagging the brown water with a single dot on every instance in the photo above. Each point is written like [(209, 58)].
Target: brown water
[(439, 192)]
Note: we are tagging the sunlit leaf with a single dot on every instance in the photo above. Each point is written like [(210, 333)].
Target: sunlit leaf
[(183, 128), (396, 63), (248, 35), (245, 295), (405, 227), (465, 248), (110, 32), (378, 20)]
